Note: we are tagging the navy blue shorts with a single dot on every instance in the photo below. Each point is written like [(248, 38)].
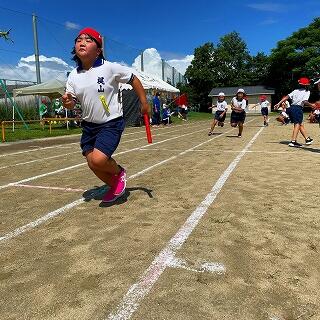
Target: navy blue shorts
[(237, 117), (217, 116), (264, 111), (102, 136), (295, 114)]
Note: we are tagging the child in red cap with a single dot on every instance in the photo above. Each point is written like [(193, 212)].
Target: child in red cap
[(299, 99), (264, 107), (95, 84)]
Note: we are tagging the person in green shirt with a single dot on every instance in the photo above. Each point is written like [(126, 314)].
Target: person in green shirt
[(43, 110)]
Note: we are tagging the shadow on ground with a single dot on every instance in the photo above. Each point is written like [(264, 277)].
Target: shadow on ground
[(306, 148), (97, 193)]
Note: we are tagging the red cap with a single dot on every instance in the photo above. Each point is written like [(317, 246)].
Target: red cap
[(263, 97), (93, 34), (304, 81)]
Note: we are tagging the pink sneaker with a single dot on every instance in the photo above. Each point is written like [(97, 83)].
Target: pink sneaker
[(118, 189), (120, 182)]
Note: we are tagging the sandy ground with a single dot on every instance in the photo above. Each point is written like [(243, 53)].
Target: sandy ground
[(263, 227)]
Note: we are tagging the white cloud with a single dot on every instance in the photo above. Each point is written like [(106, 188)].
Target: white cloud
[(152, 63), (182, 64), (72, 26), (50, 68), (267, 6), (54, 67), (268, 22)]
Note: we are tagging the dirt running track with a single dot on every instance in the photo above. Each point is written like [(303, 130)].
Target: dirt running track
[(250, 249)]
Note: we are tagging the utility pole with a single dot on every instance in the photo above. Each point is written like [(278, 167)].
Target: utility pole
[(36, 48), (142, 64)]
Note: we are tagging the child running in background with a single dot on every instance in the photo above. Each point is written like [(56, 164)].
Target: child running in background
[(220, 113), (238, 114), (264, 105), (299, 99), (95, 84)]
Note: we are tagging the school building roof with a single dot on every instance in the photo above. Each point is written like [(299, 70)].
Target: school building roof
[(249, 90)]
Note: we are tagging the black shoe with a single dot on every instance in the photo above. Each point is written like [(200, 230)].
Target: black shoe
[(239, 135), (309, 141), (294, 144)]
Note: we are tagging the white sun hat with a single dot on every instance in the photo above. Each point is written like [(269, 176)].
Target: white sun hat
[(221, 94)]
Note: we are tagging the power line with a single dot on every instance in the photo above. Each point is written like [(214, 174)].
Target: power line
[(51, 33), (13, 69), (21, 52), (16, 11)]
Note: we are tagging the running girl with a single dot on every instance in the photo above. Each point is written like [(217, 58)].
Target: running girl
[(238, 114), (220, 114), (94, 83)]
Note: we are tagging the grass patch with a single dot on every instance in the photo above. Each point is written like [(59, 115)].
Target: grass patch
[(36, 131)]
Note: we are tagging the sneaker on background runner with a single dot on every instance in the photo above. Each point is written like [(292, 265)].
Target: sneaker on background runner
[(309, 141), (295, 144)]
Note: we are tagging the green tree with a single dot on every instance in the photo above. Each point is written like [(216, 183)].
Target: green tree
[(294, 57), (231, 59), (258, 69), (227, 64), (200, 76)]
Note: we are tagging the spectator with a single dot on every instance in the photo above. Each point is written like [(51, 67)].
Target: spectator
[(166, 115), (156, 110), (43, 109)]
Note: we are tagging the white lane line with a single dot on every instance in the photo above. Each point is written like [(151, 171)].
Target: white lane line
[(65, 154), (140, 289), (65, 208), (214, 267), (41, 220), (81, 164), (179, 154), (67, 145), (36, 160), (49, 188), (37, 149), (213, 151)]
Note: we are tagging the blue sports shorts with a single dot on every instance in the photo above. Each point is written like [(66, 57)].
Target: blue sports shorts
[(295, 114), (217, 116), (102, 136), (237, 117), (264, 111)]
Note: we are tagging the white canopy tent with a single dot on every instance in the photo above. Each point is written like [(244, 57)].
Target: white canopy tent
[(53, 89), (151, 82)]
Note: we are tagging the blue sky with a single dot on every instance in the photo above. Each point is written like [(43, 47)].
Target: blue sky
[(174, 28)]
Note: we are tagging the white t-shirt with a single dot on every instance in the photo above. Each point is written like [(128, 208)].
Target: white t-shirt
[(264, 104), (240, 104), (97, 90), (298, 96), (221, 106)]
